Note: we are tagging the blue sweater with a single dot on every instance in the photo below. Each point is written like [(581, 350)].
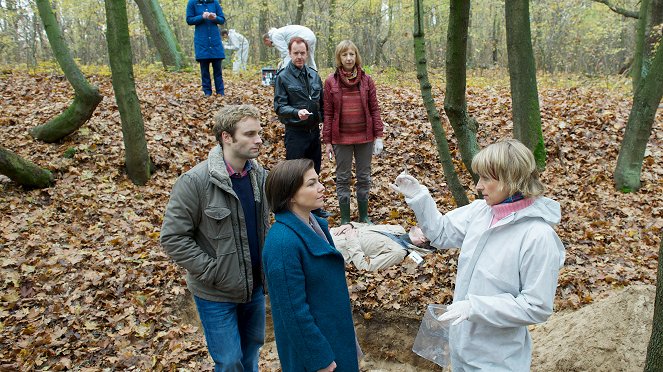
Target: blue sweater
[(244, 191), (309, 297)]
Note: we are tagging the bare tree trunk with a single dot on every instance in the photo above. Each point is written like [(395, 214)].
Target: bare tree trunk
[(300, 12), (162, 35), (86, 97), (654, 360), (137, 159), (22, 171), (464, 126), (379, 51), (639, 55), (638, 128), (453, 182), (262, 27), (331, 30), (522, 75)]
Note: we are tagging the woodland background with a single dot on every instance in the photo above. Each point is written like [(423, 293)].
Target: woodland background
[(84, 284)]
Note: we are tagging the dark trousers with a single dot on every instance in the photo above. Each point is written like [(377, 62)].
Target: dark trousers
[(304, 144), (205, 77)]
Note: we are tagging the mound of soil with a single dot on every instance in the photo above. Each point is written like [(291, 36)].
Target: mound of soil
[(609, 335)]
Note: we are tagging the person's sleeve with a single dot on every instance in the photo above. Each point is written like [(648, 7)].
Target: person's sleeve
[(328, 110), (375, 253), (374, 109), (191, 17), (443, 231), (179, 225), (281, 105), (220, 17), (540, 262), (287, 294), (280, 43)]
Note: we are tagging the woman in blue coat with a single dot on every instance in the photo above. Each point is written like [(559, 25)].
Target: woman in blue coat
[(305, 275), (206, 15)]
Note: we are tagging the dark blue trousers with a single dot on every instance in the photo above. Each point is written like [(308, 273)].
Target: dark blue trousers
[(205, 77)]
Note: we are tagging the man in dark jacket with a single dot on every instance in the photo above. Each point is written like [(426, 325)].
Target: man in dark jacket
[(298, 104), (215, 226), (206, 15)]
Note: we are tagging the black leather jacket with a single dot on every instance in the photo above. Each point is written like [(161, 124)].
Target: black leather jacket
[(296, 89)]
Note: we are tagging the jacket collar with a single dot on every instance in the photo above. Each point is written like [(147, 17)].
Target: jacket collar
[(219, 176), (314, 243), (296, 71)]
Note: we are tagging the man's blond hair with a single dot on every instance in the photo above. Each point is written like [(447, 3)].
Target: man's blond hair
[(512, 164), (227, 118)]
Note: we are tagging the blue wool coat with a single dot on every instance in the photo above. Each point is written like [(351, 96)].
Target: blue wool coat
[(206, 37), (309, 297)]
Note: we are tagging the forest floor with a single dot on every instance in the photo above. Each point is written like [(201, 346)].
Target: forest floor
[(86, 286)]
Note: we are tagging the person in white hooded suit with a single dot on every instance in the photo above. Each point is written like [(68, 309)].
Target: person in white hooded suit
[(509, 262)]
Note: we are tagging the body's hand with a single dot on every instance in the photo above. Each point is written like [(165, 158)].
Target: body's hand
[(329, 368), (458, 310), (406, 185), (303, 114), (378, 145), (342, 229), (329, 150)]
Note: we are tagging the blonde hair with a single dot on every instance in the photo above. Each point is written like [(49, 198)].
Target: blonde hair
[(512, 164), (227, 118), (342, 47)]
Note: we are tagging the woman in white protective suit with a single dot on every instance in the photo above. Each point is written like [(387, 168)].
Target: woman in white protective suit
[(509, 260)]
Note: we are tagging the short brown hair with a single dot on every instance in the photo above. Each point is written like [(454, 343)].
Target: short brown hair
[(283, 182), (227, 118), (297, 39), (512, 164), (342, 47)]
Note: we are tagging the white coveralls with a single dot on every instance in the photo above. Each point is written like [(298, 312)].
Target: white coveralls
[(281, 37), (371, 250), (508, 272), (240, 45)]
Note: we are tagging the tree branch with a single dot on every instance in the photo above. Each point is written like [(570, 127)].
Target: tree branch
[(618, 10)]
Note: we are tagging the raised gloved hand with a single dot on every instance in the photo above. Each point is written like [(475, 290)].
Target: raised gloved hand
[(458, 310), (406, 185), (378, 145)]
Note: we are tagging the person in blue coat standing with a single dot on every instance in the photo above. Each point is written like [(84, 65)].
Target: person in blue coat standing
[(305, 276), (206, 15)]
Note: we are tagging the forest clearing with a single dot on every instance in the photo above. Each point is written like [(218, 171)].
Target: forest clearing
[(86, 286)]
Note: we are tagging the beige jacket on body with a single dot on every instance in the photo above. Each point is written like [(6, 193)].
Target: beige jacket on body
[(371, 250)]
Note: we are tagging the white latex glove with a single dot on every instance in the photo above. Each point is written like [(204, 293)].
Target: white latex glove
[(458, 310), (406, 185), (378, 145)]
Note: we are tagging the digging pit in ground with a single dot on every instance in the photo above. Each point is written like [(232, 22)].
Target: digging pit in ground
[(608, 335)]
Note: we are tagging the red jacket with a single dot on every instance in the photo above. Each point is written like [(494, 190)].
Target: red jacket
[(332, 107)]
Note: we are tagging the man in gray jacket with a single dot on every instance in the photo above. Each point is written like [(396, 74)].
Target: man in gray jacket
[(214, 227)]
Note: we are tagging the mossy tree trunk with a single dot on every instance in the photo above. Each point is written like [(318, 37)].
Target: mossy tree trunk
[(654, 360), (455, 105), (638, 128), (453, 182), (331, 30), (86, 97), (522, 75), (137, 159), (161, 34), (22, 171)]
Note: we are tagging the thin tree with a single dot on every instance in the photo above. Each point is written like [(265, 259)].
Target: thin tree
[(137, 159), (22, 171), (654, 360), (86, 96), (640, 52), (454, 184), (638, 128), (300, 12), (161, 34), (331, 29), (455, 105), (262, 28), (522, 75)]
